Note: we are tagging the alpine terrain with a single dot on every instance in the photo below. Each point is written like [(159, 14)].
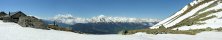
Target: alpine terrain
[(13, 31), (196, 15)]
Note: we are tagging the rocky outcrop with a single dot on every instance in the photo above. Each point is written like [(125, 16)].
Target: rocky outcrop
[(30, 21)]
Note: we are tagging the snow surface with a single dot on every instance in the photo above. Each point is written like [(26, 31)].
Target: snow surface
[(166, 21), (12, 31), (213, 23), (188, 14)]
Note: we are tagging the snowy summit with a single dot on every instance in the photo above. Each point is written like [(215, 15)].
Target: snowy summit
[(69, 19)]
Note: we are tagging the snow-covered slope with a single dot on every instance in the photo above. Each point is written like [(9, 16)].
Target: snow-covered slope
[(12, 31), (69, 19), (198, 14)]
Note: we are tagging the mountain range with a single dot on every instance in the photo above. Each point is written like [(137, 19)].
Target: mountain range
[(101, 24), (69, 19)]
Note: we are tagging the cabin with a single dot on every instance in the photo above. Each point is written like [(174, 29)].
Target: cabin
[(13, 16), (2, 14)]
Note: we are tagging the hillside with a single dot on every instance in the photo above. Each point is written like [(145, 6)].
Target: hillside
[(196, 15), (108, 28)]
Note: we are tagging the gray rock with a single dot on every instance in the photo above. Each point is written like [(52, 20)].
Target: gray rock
[(30, 21)]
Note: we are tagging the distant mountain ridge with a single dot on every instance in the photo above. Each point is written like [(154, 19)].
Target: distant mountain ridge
[(109, 27), (101, 24), (69, 19)]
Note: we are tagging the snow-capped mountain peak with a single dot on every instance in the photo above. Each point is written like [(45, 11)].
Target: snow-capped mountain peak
[(69, 19), (101, 16)]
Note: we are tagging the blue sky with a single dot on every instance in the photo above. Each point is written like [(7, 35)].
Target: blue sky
[(159, 9)]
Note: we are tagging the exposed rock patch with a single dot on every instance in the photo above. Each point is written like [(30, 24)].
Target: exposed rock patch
[(30, 21)]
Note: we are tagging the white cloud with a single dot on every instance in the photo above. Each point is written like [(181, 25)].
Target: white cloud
[(64, 18)]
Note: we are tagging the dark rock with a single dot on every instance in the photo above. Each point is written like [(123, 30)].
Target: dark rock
[(30, 21)]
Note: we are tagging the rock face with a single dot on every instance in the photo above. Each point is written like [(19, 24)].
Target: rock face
[(30, 21)]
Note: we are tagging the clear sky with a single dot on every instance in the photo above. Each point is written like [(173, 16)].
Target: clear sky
[(159, 9)]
